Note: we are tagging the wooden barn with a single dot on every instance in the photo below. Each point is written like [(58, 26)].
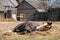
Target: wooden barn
[(32, 11), (38, 11), (24, 11)]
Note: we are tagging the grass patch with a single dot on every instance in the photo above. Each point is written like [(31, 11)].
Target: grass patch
[(29, 38)]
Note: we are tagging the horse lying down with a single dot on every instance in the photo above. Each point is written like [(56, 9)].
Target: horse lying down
[(31, 26)]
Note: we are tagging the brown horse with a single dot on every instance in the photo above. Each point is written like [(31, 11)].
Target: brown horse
[(31, 26)]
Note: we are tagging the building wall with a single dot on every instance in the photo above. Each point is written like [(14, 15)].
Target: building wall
[(54, 14), (14, 14), (1, 15), (11, 13)]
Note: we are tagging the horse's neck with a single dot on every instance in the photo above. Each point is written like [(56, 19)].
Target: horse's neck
[(41, 26)]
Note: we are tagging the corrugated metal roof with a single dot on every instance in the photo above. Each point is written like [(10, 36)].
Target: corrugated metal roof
[(2, 4), (7, 3)]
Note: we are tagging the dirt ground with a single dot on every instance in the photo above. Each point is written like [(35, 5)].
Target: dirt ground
[(53, 32)]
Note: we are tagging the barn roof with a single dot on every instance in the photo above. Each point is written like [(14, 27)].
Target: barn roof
[(39, 4), (36, 4)]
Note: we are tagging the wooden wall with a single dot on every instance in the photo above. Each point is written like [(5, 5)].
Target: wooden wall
[(1, 15)]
